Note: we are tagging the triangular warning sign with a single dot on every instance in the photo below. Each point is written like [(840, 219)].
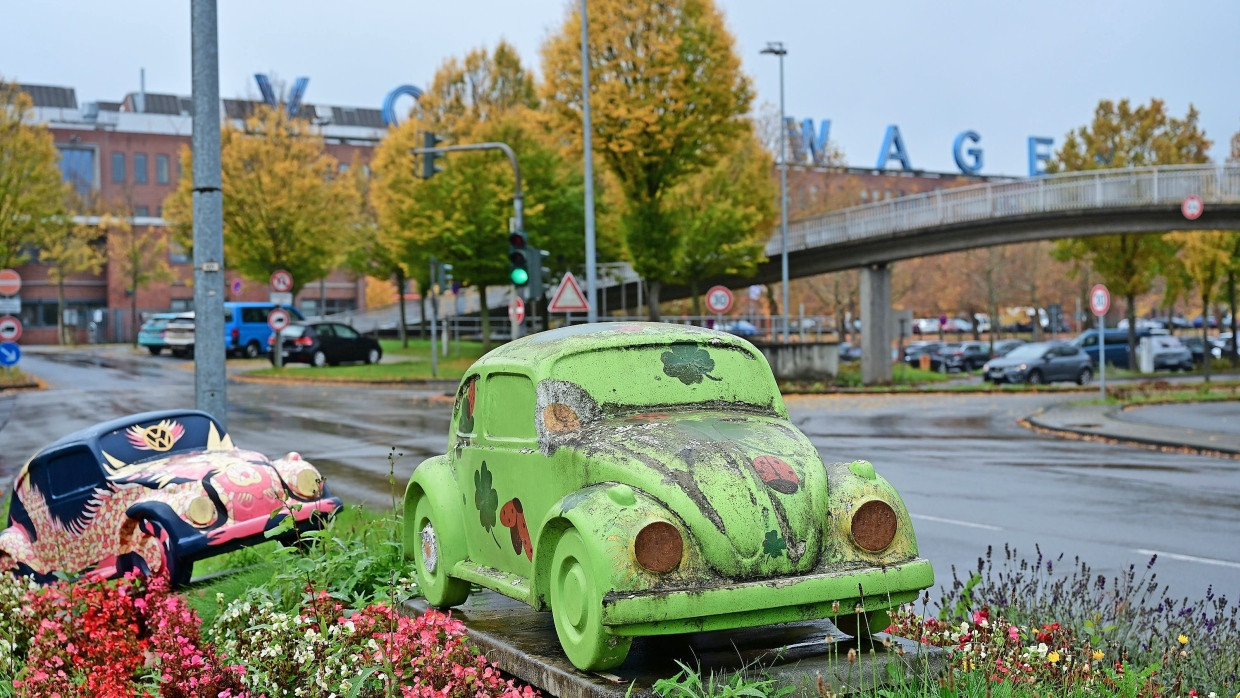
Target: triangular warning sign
[(568, 298)]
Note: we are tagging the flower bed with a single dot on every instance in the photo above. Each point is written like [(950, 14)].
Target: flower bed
[(131, 637)]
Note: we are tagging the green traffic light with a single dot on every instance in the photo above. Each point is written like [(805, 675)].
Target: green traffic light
[(520, 277)]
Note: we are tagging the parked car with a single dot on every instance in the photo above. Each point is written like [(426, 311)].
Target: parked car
[(958, 325), (1041, 362), (1003, 346), (981, 321), (151, 492), (742, 328), (848, 352), (1197, 347), (645, 478), (151, 334), (245, 330), (926, 325), (965, 356), (325, 344), (1170, 353), (1116, 345), (914, 351)]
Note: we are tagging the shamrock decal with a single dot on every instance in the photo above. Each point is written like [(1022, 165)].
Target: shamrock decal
[(486, 499), (774, 544), (689, 363)]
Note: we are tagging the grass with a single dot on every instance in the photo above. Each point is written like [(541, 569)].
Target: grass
[(400, 364), (1163, 392), (13, 377)]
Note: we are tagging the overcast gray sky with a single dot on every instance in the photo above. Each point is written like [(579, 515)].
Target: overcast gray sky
[(1006, 69)]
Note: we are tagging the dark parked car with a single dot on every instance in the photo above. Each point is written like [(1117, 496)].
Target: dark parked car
[(965, 356), (1004, 346), (326, 344), (848, 352), (914, 351), (1041, 362)]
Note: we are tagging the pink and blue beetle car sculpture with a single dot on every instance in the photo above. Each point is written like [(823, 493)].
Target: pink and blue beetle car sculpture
[(151, 492)]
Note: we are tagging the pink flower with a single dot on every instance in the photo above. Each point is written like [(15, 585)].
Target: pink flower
[(1014, 632)]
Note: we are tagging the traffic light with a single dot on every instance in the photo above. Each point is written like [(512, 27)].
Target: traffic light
[(445, 277), (429, 168), (519, 256)]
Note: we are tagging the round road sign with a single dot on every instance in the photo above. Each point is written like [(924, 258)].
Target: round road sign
[(1100, 300), (281, 281), (10, 282), (278, 319), (516, 310), (719, 299), (10, 329), (1192, 207)]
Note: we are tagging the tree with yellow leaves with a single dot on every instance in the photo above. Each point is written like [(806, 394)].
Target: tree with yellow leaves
[(668, 100), (1206, 256), (1122, 135), (32, 193), (67, 249), (286, 203), (724, 215)]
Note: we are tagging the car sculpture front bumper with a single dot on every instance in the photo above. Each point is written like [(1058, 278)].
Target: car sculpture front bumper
[(778, 600)]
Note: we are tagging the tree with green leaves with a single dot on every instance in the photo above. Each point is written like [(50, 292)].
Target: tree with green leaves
[(1122, 135), (140, 256), (286, 205), (461, 215), (724, 215), (32, 192), (668, 100)]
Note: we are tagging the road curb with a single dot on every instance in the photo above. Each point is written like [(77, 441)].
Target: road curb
[(1038, 423)]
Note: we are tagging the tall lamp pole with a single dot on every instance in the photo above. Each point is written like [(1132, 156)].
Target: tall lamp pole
[(591, 271), (776, 48)]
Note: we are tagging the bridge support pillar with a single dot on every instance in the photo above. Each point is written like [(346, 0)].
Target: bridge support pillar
[(876, 324)]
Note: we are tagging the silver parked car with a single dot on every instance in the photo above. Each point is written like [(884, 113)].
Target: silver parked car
[(1040, 362)]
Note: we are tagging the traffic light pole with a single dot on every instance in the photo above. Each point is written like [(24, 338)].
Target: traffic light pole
[(518, 199)]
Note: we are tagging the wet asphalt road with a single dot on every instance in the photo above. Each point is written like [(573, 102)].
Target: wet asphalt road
[(971, 476)]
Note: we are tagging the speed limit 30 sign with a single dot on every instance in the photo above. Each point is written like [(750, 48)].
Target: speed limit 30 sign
[(1099, 300), (719, 299)]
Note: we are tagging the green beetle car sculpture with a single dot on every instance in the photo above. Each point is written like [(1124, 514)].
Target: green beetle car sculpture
[(644, 479)]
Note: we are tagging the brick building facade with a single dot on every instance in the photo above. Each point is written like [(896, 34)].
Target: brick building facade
[(127, 154)]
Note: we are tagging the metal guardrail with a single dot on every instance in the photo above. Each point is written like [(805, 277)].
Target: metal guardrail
[(1058, 193)]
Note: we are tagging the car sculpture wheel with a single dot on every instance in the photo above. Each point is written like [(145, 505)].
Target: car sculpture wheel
[(643, 479), (152, 492)]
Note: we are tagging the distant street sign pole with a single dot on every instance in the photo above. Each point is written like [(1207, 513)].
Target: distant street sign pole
[(719, 300), (277, 320), (1100, 303), (591, 271)]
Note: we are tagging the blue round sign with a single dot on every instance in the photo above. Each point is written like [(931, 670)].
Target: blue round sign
[(10, 354)]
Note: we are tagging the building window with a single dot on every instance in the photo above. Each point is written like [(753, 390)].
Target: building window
[(141, 211), (176, 253), (161, 169), (77, 167), (118, 167), (139, 168)]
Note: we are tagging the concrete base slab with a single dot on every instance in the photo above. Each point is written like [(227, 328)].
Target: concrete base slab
[(523, 643)]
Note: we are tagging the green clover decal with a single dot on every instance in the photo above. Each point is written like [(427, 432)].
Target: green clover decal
[(774, 544), (689, 363), (486, 499)]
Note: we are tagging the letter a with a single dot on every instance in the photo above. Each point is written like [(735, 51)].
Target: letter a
[(892, 139)]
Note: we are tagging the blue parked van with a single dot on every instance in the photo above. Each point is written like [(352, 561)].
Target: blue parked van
[(246, 330), (1116, 345)]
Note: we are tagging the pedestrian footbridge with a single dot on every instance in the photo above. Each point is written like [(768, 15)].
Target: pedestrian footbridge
[(1077, 204)]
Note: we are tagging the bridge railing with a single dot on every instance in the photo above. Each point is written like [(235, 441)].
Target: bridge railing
[(1073, 191)]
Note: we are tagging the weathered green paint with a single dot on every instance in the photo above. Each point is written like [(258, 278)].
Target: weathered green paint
[(605, 429)]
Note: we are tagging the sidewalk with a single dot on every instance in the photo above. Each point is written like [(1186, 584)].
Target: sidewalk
[(1168, 427)]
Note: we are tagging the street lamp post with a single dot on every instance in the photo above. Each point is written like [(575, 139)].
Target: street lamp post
[(776, 48)]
